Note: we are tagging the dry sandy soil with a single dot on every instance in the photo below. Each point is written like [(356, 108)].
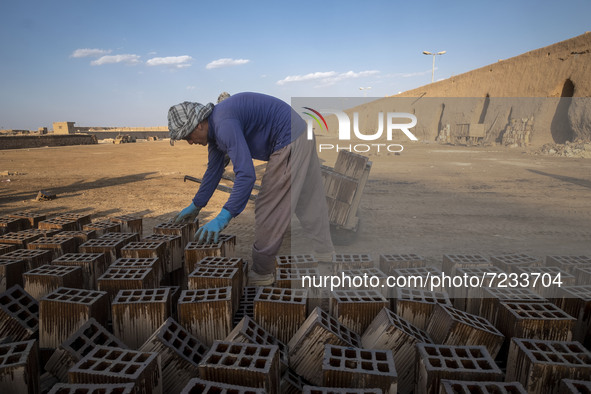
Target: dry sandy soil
[(430, 200)]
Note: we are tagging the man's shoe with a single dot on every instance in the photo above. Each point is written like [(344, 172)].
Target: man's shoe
[(258, 280)]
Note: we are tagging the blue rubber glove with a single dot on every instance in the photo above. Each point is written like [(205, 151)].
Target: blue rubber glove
[(187, 214), (213, 228)]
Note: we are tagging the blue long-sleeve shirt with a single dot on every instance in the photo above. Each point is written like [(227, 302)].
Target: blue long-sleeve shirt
[(246, 126)]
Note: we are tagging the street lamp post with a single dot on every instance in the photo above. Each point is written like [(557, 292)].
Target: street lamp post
[(366, 89), (433, 69)]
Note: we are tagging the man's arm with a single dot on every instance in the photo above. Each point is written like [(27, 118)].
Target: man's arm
[(231, 137), (212, 176)]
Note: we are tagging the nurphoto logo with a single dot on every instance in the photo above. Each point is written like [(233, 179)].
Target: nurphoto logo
[(395, 122)]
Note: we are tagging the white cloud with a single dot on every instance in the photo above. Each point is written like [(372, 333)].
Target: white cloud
[(226, 62), (171, 61), (190, 87), (326, 78), (87, 52), (127, 59)]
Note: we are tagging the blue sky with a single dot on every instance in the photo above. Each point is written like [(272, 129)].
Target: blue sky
[(124, 63)]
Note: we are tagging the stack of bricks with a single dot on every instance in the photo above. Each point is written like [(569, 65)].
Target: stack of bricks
[(543, 280), (540, 365), (583, 275), (468, 298), (281, 311), (79, 236), (296, 261), (242, 363), (451, 262), (129, 224), (493, 296), (184, 230), (534, 320), (125, 237), (568, 263), (63, 311), (43, 280), (20, 239), (416, 306), (228, 244), (19, 370), (118, 278), (5, 248), (343, 262), (457, 386), (197, 385), (292, 383), (451, 326), (358, 368), (205, 277), (32, 258), (206, 313), (437, 362), (246, 307), (356, 309), (389, 262), (93, 266), (174, 249), (224, 262), (509, 262), (19, 315), (152, 263), (306, 347), (114, 365), (57, 245), (63, 224), (340, 192), (111, 248), (32, 217), (195, 252), (149, 249), (90, 335), (138, 313), (11, 273), (12, 225), (180, 354), (390, 331), (248, 331), (40, 232), (102, 227), (576, 301), (301, 278), (81, 219)]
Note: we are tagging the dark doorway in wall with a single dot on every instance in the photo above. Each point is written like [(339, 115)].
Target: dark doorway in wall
[(484, 109), (560, 127)]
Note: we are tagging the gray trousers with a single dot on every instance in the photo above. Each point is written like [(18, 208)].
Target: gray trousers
[(292, 183)]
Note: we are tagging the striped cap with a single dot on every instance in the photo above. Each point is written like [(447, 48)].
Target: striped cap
[(184, 117)]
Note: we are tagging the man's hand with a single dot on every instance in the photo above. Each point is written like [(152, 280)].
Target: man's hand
[(213, 228), (187, 215)]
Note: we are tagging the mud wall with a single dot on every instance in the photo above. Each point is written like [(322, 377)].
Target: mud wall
[(36, 141), (547, 89)]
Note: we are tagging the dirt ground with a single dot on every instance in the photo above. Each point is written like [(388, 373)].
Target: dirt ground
[(430, 200)]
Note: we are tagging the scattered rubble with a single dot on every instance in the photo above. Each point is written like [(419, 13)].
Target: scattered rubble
[(578, 149)]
